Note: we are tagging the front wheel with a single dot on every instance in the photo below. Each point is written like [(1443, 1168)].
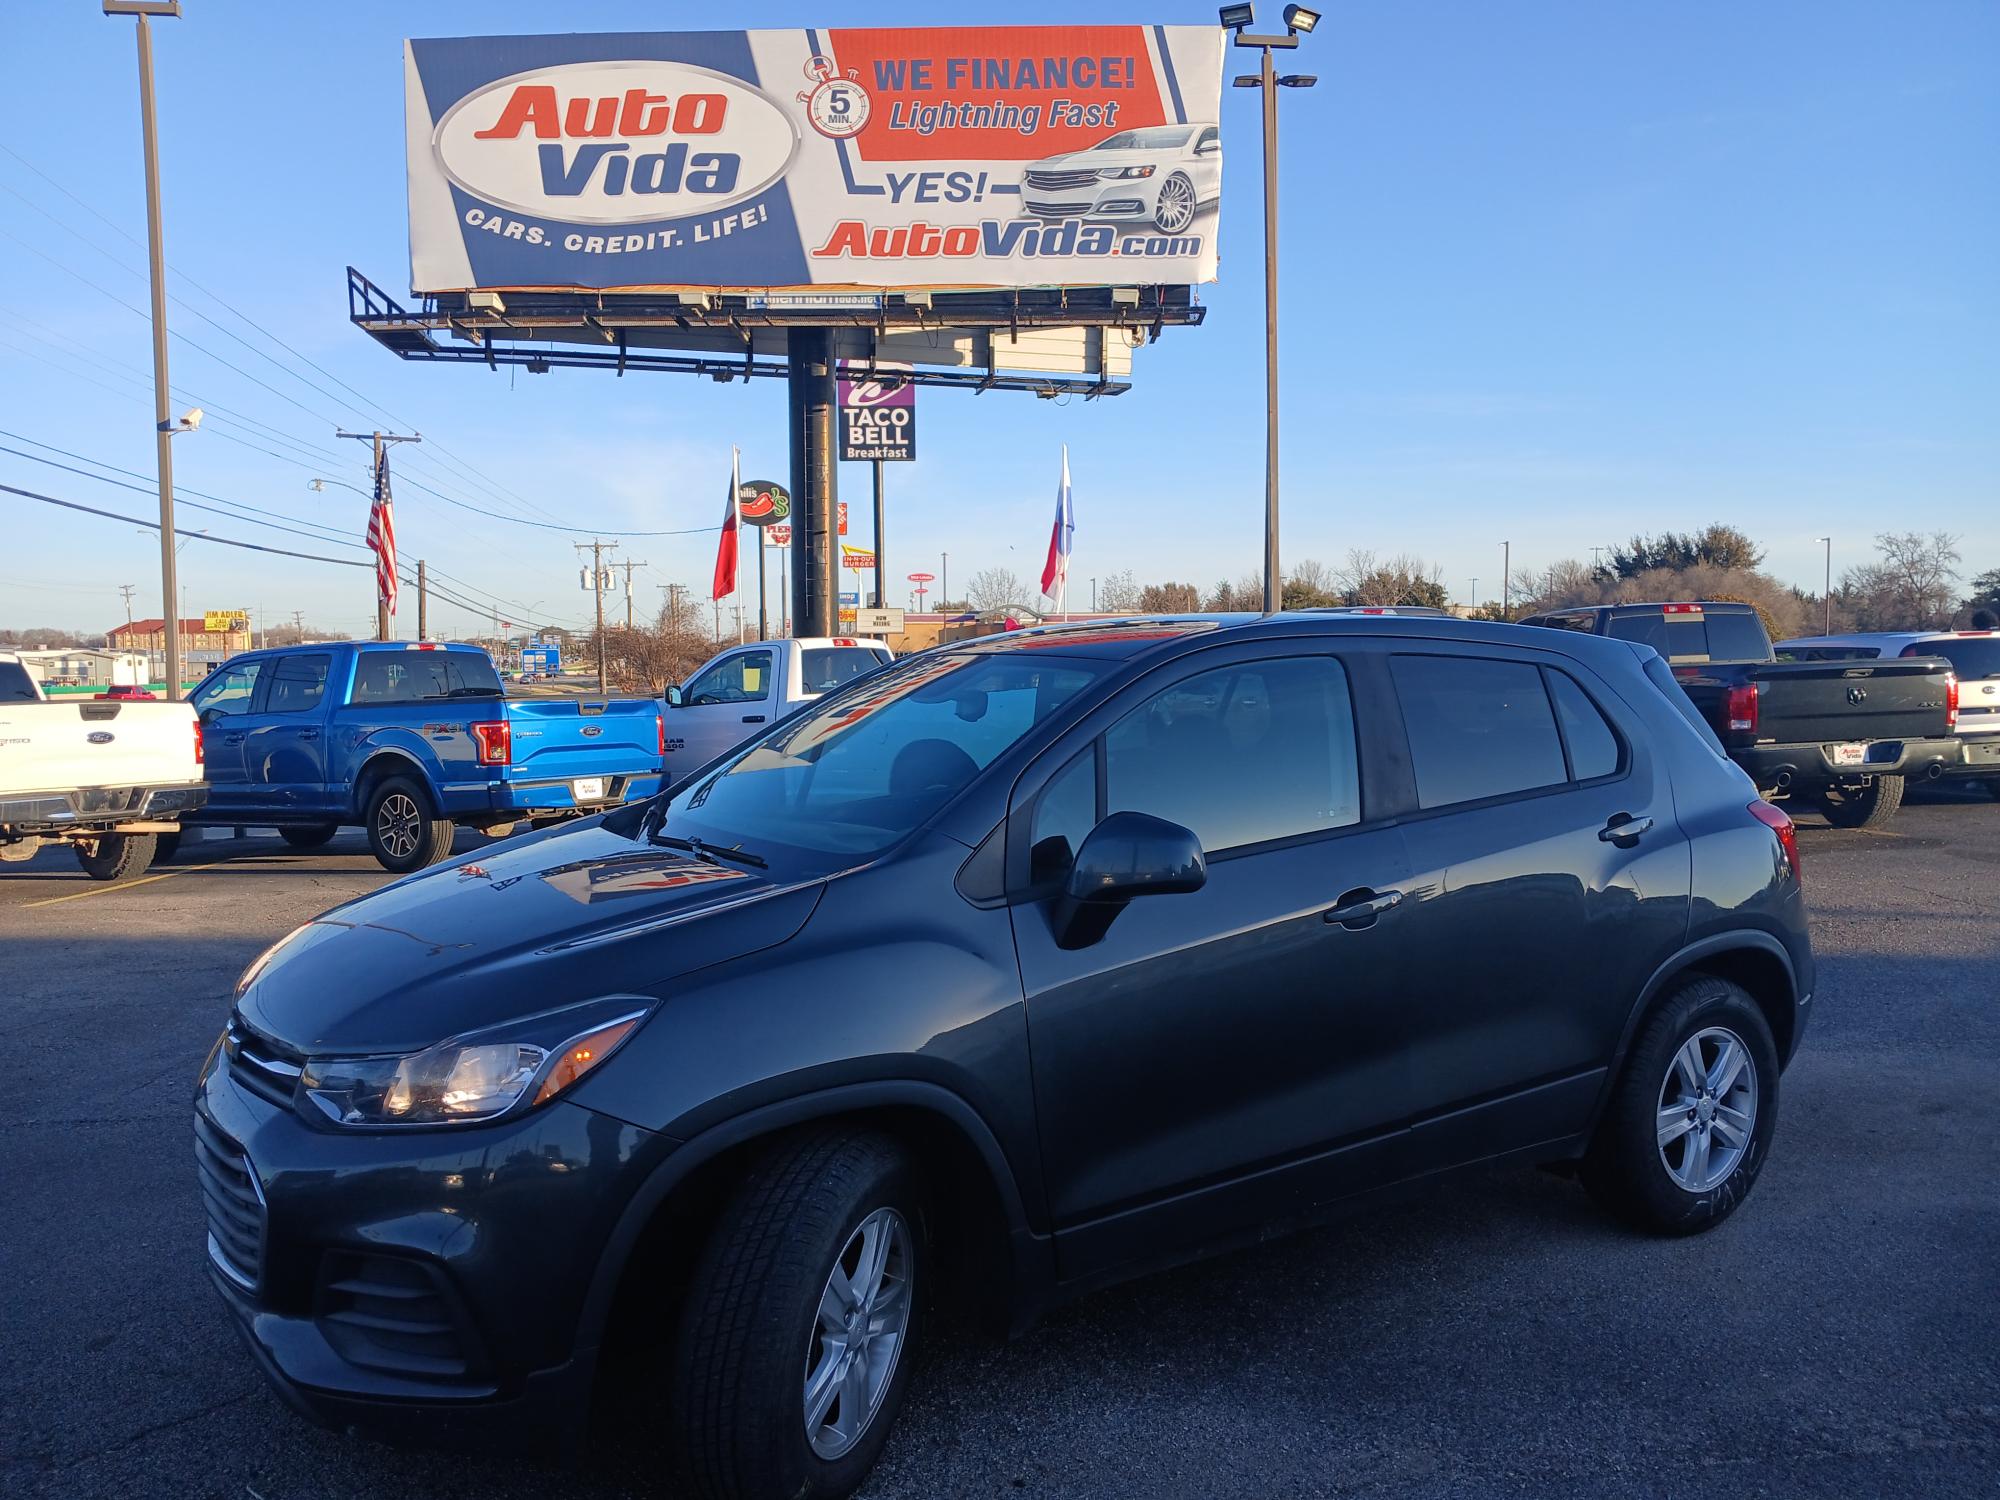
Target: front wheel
[(801, 1321), (402, 831), (116, 856), (1870, 806), (1689, 1124), (1174, 210)]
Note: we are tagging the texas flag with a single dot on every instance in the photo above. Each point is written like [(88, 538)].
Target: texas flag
[(725, 552), (1055, 572)]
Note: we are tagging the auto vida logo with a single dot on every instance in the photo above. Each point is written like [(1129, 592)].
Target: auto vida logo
[(615, 142)]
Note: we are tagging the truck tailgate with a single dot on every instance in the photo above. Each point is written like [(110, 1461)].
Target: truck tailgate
[(561, 739), (63, 746), (1834, 701)]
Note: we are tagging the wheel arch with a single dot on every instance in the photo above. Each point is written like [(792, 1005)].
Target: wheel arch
[(384, 762), (1754, 960), (650, 1249)]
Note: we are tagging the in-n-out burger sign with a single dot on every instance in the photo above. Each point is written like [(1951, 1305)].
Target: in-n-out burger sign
[(615, 142)]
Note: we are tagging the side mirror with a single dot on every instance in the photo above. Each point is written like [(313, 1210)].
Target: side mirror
[(1129, 854), (673, 695)]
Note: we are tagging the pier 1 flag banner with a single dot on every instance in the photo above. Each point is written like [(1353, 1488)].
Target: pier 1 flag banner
[(934, 157)]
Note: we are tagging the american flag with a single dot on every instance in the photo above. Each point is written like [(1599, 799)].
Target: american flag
[(382, 534)]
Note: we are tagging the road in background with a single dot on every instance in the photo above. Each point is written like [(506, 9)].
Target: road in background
[(1838, 1337)]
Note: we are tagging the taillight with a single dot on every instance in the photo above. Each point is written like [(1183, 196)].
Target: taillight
[(1740, 708), (496, 741), (200, 760), (660, 723), (1775, 819), (1951, 701)]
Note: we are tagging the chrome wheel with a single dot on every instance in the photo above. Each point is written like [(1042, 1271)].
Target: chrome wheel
[(1707, 1109), (1176, 206), (397, 823), (864, 1313)]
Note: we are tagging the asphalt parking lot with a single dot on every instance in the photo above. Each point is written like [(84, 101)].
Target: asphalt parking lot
[(1839, 1337)]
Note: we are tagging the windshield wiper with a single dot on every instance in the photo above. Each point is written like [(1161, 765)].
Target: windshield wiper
[(714, 854)]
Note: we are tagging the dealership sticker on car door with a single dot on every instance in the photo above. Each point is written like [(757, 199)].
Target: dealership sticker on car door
[(587, 788)]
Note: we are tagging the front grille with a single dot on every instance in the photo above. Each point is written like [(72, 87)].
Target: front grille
[(1056, 210), (261, 1065), (401, 1316), (1059, 179), (233, 1203)]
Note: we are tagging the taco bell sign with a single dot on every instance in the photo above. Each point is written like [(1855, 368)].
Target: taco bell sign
[(878, 415)]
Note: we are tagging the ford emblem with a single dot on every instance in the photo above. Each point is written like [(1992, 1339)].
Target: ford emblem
[(101, 737), (592, 731)]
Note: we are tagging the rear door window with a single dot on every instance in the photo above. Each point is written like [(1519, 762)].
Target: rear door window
[(298, 685), (1477, 727), (16, 686)]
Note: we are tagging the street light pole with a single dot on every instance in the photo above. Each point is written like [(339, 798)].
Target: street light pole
[(1829, 582), (1297, 19), (156, 257)]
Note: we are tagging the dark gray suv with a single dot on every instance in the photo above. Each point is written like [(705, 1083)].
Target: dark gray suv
[(1013, 969)]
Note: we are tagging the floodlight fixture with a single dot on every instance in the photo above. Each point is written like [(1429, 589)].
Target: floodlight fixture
[(1299, 18), (1236, 17)]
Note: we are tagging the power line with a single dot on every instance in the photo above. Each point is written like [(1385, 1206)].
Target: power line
[(193, 536)]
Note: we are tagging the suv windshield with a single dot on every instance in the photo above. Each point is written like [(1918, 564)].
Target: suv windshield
[(866, 766)]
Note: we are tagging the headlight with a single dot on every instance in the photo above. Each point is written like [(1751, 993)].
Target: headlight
[(1125, 172), (479, 1076)]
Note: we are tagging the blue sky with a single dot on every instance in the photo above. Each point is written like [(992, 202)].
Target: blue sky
[(1553, 273)]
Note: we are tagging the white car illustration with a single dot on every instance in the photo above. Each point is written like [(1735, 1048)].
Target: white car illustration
[(1161, 174)]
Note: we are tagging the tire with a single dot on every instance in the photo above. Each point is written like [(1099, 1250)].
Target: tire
[(403, 832), (1175, 208), (1871, 807), (1699, 1176), (116, 856), (310, 836), (165, 847), (752, 1333)]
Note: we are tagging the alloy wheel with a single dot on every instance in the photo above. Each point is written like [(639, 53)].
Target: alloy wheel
[(1707, 1109), (1176, 208), (396, 823), (858, 1333)]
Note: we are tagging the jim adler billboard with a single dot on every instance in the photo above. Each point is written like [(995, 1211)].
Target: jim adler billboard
[(912, 157)]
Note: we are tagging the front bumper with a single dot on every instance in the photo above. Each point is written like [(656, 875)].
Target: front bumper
[(98, 806), (426, 1284), (1813, 765)]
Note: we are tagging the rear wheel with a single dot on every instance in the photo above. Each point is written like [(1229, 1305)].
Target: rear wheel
[(309, 836), (116, 856), (1870, 806), (1689, 1124), (801, 1321), (403, 831)]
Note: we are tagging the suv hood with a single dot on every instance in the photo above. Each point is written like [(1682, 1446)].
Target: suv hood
[(529, 926)]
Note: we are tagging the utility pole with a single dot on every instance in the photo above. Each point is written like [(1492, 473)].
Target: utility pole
[(1829, 582), (298, 626), (944, 579), (128, 591), (1506, 580), (156, 256), (1093, 596), (423, 603), (380, 440), (628, 565), (597, 551), (1475, 593)]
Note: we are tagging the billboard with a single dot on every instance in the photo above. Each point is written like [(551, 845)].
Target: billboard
[(1003, 156), (878, 415), (224, 621)]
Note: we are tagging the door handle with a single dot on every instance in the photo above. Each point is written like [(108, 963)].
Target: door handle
[(235, 737), (308, 734), (753, 718), (1623, 826), (1358, 910)]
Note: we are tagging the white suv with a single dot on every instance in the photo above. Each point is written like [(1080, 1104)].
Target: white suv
[(1161, 175)]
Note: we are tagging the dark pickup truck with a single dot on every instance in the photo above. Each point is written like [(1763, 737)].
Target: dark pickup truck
[(1845, 734)]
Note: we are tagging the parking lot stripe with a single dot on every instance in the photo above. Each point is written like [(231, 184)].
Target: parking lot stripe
[(123, 885)]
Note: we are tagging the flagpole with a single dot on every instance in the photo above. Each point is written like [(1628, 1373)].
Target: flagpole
[(380, 440)]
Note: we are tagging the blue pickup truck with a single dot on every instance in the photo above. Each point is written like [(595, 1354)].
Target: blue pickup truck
[(411, 742)]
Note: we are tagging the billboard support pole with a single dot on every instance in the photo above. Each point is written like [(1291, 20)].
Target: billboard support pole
[(423, 603), (811, 396), (880, 564)]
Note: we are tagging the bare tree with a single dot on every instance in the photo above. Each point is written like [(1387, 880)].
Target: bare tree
[(1912, 586), (995, 588), (650, 657), (1169, 599), (1118, 592)]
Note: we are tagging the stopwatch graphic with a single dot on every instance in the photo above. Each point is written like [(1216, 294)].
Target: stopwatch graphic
[(837, 106)]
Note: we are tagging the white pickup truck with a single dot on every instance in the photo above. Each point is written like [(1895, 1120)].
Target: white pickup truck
[(747, 687), (108, 776)]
